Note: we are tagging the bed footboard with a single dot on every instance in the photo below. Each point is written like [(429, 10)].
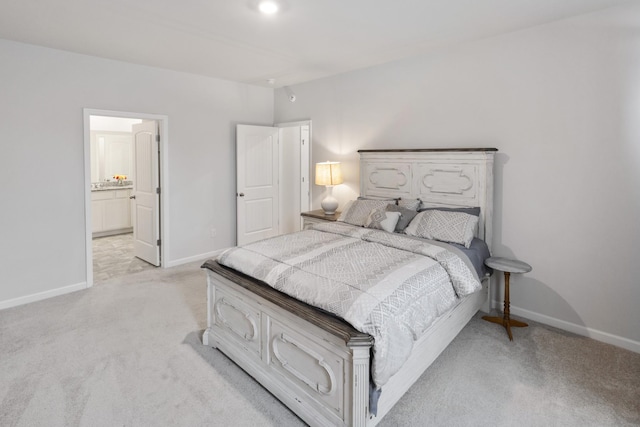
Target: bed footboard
[(314, 363)]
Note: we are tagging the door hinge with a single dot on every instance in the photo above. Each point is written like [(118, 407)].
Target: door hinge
[(157, 137), (158, 242), (158, 190)]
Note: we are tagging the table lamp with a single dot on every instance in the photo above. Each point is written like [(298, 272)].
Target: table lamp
[(329, 174)]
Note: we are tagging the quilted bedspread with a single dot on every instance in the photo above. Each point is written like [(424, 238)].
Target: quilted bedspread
[(390, 286)]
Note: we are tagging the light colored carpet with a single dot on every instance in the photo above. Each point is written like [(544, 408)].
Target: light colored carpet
[(128, 352)]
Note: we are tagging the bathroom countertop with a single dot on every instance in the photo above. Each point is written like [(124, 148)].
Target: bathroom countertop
[(113, 187)]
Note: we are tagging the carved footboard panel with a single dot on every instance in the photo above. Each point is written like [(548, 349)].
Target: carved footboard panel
[(314, 363)]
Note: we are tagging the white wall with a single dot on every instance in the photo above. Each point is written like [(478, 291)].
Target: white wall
[(562, 104), (42, 220)]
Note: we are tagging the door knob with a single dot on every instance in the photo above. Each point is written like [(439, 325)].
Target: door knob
[(241, 194), (132, 197)]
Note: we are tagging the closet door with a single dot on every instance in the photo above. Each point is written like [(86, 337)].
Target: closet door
[(257, 188)]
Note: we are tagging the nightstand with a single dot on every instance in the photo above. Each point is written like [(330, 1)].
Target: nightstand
[(314, 217), (508, 266)]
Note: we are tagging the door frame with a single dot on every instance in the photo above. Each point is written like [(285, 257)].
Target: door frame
[(163, 126)]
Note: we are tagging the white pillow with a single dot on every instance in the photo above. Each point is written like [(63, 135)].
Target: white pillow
[(453, 227), (356, 212), (383, 220)]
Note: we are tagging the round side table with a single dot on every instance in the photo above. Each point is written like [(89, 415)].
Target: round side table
[(508, 266)]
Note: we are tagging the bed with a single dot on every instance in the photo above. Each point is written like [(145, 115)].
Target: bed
[(317, 364)]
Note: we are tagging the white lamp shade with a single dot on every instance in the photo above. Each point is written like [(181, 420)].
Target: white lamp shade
[(328, 173)]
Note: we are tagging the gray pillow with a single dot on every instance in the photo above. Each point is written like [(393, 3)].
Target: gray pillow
[(412, 204), (378, 198), (406, 215), (475, 211), (445, 226)]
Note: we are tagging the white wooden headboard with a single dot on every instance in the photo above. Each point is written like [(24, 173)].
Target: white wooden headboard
[(460, 177)]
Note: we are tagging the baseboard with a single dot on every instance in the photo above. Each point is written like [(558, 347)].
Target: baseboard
[(201, 257), (112, 232), (42, 295), (574, 328)]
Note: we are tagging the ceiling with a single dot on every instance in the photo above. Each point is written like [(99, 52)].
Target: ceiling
[(306, 40)]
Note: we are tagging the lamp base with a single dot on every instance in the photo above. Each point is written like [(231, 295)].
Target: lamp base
[(329, 205)]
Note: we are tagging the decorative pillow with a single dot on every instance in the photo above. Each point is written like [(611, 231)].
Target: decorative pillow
[(377, 198), (475, 211), (412, 204), (356, 212), (446, 226), (406, 215), (382, 219)]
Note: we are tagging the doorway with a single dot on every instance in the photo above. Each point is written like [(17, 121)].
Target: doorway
[(123, 160), (295, 169), (272, 179)]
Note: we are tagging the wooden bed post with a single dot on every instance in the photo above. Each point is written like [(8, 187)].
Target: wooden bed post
[(211, 289), (360, 380)]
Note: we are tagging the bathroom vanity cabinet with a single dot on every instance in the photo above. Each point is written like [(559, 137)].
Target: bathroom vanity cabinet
[(111, 212)]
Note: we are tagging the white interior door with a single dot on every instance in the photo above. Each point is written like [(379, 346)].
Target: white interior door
[(257, 187), (146, 193)]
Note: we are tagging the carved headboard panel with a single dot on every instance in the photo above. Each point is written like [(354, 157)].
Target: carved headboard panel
[(439, 177)]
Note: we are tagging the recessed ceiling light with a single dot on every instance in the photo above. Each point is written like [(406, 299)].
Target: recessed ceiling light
[(268, 7)]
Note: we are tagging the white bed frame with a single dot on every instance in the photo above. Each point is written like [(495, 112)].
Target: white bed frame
[(316, 364)]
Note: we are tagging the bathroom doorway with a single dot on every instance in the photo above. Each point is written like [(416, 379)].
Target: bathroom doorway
[(125, 197)]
